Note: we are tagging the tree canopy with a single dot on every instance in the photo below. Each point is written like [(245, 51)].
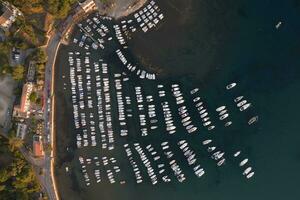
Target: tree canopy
[(33, 97), (59, 8), (18, 72), (40, 56), (17, 180)]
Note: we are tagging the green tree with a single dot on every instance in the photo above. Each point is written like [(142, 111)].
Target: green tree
[(59, 8), (6, 69), (17, 180), (40, 56), (18, 72), (33, 97), (15, 143), (2, 188), (4, 175)]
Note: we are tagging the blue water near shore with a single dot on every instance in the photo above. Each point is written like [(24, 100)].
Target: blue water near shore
[(210, 44)]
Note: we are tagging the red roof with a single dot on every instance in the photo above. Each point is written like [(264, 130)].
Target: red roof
[(38, 148)]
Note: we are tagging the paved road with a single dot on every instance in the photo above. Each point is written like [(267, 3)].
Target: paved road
[(47, 179)]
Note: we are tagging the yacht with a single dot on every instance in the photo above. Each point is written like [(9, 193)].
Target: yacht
[(241, 103), (186, 123), (247, 171), (278, 25), (207, 123), (243, 162), (221, 162), (237, 99), (219, 109), (199, 172), (230, 86), (250, 175), (222, 112), (205, 142), (205, 119), (211, 149), (244, 107), (202, 111), (228, 123), (204, 115), (196, 99), (237, 154), (224, 116), (196, 168), (192, 130), (199, 104), (194, 90)]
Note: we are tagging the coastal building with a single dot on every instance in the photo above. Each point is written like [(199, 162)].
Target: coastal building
[(31, 71), (8, 14), (40, 128), (23, 110), (88, 5), (38, 150), (21, 130)]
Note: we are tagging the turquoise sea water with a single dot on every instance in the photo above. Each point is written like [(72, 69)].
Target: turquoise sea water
[(208, 44)]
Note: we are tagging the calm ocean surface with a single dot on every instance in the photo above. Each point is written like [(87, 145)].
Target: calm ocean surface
[(208, 44)]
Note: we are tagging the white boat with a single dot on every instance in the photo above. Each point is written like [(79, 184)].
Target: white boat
[(278, 25), (164, 143), (244, 107), (183, 145), (236, 154), (200, 172), (237, 99), (224, 116), (250, 175), (219, 109), (247, 170), (192, 130), (194, 90), (253, 120), (204, 115), (185, 119), (222, 112), (243, 162), (211, 127), (202, 111), (211, 149), (241, 103), (196, 168), (189, 126), (196, 99), (228, 123), (230, 86), (207, 123), (221, 162), (205, 119), (199, 104), (205, 142), (186, 123)]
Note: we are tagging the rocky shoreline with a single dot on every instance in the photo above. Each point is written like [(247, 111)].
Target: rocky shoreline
[(119, 8)]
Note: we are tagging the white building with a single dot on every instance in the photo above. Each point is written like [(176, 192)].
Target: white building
[(88, 5)]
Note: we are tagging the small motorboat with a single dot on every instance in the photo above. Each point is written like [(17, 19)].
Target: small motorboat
[(239, 98), (253, 120), (230, 86)]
